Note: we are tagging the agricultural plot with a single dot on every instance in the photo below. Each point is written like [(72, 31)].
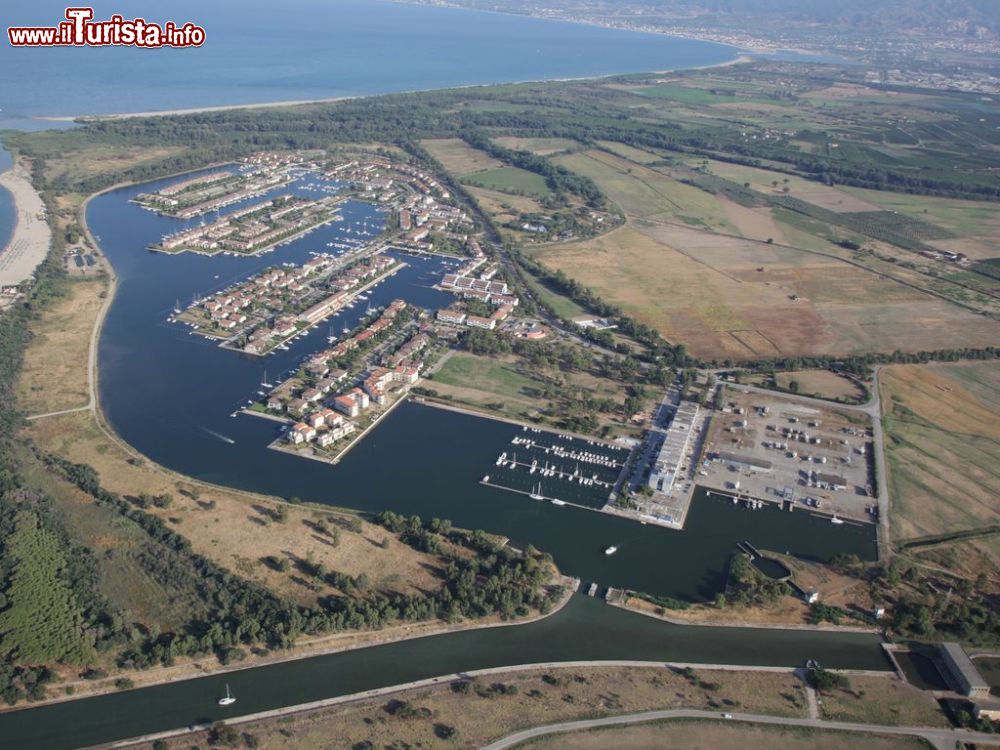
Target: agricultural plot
[(540, 146), (974, 225), (942, 427), (504, 207), (647, 193), (726, 297), (458, 157), (638, 155), (513, 180), (763, 180)]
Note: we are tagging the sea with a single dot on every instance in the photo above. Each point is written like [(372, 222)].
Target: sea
[(260, 51)]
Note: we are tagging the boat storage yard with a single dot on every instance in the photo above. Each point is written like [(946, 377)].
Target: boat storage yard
[(764, 448)]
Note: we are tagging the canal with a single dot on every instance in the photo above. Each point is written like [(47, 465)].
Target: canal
[(586, 629), (166, 392), (170, 394)]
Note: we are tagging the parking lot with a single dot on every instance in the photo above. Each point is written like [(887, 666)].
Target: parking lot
[(778, 450)]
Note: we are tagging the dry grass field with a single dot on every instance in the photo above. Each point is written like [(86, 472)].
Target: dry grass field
[(883, 700), (503, 206), (537, 698), (726, 297), (824, 196), (238, 530), (508, 386), (540, 146), (738, 282), (458, 157), (54, 375), (943, 441), (110, 159), (712, 735), (648, 193), (638, 155), (821, 383)]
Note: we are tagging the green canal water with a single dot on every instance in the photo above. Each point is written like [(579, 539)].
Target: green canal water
[(586, 629)]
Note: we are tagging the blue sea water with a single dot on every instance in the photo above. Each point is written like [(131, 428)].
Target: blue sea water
[(258, 51)]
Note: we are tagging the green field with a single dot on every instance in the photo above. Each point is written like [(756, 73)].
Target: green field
[(510, 180), (561, 305), (488, 376), (644, 192), (703, 96)]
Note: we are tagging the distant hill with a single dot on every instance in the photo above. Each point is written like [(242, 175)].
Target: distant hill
[(962, 18)]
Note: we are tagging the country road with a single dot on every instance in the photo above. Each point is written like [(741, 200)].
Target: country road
[(943, 739)]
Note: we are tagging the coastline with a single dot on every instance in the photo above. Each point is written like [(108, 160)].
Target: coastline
[(31, 237), (741, 57)]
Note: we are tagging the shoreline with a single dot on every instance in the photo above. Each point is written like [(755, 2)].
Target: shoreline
[(31, 237), (741, 57)]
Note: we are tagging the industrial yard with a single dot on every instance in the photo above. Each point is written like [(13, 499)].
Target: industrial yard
[(763, 448)]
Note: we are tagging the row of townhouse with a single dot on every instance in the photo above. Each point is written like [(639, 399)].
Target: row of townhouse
[(377, 383), (203, 180), (319, 360), (308, 397), (406, 354), (287, 325), (458, 317), (457, 283)]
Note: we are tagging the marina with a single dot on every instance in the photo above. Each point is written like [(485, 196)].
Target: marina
[(576, 470), (418, 459)]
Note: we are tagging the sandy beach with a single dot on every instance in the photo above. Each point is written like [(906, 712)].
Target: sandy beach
[(32, 237), (737, 60)]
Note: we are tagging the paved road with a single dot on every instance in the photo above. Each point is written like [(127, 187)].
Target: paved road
[(944, 739)]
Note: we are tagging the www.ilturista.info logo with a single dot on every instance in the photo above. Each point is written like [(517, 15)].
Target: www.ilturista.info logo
[(80, 30)]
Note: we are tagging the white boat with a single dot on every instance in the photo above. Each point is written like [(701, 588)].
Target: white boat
[(557, 501), (611, 550), (836, 520), (536, 493), (229, 699)]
